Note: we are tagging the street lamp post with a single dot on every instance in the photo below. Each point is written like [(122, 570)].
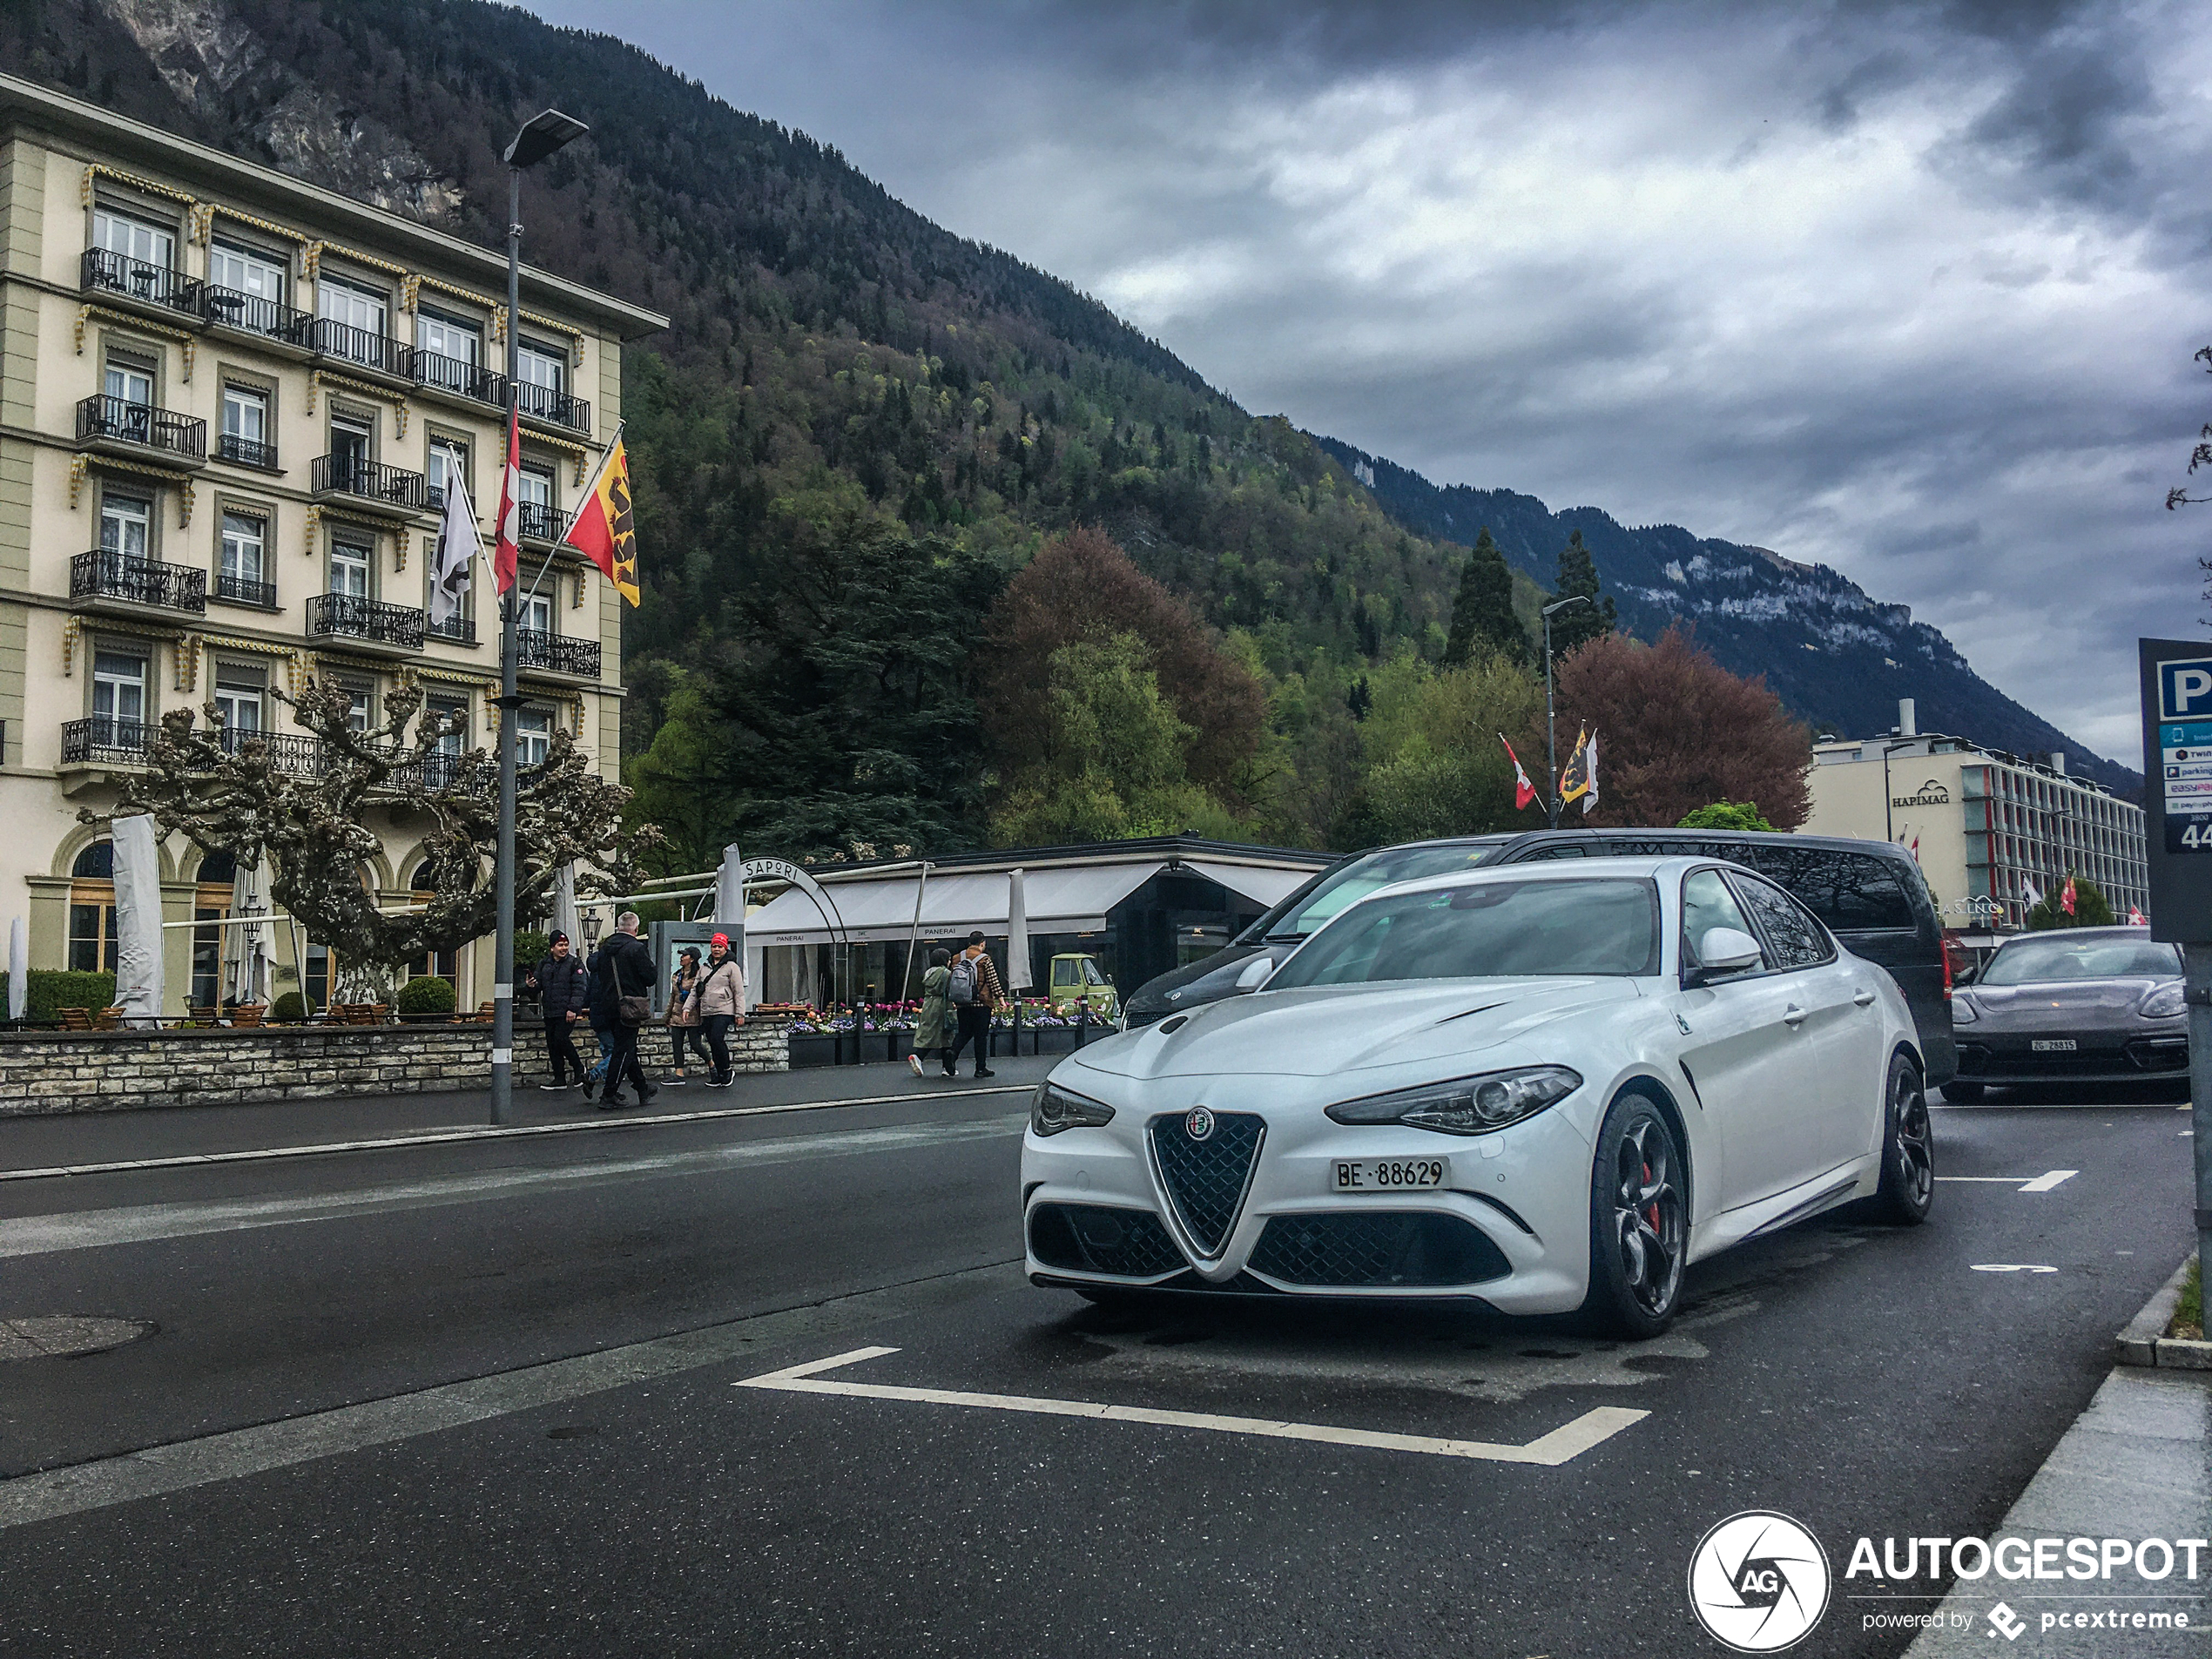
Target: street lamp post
[(1551, 730), (541, 135)]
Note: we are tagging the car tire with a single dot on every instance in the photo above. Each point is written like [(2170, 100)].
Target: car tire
[(1961, 1093), (1639, 1221), (1908, 1147)]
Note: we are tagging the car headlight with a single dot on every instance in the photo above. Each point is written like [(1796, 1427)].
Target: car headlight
[(1053, 1108), (1465, 1105), (1963, 1011), (2164, 1002)]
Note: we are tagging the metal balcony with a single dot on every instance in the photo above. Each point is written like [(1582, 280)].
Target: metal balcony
[(104, 740), (540, 522), (105, 574), (252, 315), (556, 653), (373, 481), (348, 616), (117, 420), (244, 590), (456, 629), (556, 408), (359, 346), (459, 376), (440, 769), (246, 452), (102, 272), (292, 753)]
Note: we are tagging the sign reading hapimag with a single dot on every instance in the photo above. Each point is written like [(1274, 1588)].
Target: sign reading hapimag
[(2177, 776)]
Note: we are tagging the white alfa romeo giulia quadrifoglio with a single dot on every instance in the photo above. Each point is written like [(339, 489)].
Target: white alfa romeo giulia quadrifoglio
[(1543, 1088)]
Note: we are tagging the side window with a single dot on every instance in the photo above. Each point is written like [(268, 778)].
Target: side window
[(1850, 892), (1555, 850), (1707, 904), (1793, 938)]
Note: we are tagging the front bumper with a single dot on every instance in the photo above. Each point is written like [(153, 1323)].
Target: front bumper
[(1510, 1230), (2005, 1056)]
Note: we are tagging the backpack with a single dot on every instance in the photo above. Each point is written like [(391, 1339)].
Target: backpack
[(960, 988)]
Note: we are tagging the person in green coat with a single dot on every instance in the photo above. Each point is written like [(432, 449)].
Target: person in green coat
[(934, 1030)]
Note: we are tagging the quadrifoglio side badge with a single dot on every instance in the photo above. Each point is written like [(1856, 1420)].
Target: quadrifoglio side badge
[(1758, 1582)]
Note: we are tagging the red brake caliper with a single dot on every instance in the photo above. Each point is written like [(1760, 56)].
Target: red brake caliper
[(1652, 1214)]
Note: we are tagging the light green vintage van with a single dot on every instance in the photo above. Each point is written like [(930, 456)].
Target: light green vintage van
[(1077, 978)]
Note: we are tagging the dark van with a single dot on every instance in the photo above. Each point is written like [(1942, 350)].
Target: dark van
[(1870, 895)]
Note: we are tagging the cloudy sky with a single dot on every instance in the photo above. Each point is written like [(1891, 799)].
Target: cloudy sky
[(1907, 290)]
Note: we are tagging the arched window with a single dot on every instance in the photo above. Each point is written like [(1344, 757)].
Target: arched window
[(422, 886), (217, 887), (91, 909)]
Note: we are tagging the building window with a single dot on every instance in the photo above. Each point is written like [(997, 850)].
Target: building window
[(352, 451), (442, 765), (338, 301), (449, 459), (544, 367), (536, 612), (449, 338), (315, 980), (349, 568), (533, 736), (134, 238), (357, 716), (245, 427), (534, 497), (128, 381), (245, 270), (91, 910), (422, 888), (119, 698), (238, 693), (126, 524), (244, 573)]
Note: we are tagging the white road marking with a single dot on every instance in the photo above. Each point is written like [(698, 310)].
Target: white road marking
[(507, 1132), (1547, 1451), (86, 1229), (2042, 1182), (2012, 1267), (2050, 1178), (154, 1471)]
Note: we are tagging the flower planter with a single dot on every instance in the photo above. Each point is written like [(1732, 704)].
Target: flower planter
[(813, 1050)]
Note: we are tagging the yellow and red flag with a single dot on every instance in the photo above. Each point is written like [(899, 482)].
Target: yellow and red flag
[(603, 530)]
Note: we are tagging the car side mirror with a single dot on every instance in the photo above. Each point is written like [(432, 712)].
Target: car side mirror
[(1968, 974), (1725, 950), (1256, 973)]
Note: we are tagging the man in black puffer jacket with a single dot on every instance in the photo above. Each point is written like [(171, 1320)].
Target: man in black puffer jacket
[(625, 968), (558, 981)]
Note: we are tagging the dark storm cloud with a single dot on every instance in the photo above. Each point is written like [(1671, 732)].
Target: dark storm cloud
[(1907, 289)]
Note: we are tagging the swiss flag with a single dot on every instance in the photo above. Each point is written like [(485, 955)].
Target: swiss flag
[(2065, 897), (506, 555), (2136, 919), (1523, 791)]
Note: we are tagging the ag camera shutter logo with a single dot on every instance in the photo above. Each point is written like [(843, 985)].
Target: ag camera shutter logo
[(1758, 1582)]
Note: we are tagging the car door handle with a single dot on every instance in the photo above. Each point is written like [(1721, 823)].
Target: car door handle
[(1793, 1016), (1863, 996)]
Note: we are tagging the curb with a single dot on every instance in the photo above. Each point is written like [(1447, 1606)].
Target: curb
[(2143, 1342)]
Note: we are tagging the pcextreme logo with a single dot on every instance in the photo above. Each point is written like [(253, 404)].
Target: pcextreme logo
[(1758, 1582)]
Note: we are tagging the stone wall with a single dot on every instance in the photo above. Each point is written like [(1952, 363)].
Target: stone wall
[(46, 1072)]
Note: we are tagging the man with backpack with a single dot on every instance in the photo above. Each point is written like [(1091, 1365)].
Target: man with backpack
[(973, 991)]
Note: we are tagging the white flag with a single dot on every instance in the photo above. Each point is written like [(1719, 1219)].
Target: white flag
[(458, 546), (1589, 798), (2031, 896)]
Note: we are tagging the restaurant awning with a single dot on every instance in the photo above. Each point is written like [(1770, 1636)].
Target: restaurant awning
[(1261, 886), (1074, 900)]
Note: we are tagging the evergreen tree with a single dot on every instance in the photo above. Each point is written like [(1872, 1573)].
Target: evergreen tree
[(1575, 628), (1482, 614), (2091, 908)]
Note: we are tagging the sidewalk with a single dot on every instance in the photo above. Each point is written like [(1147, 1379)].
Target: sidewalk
[(2137, 1464), (74, 1139)]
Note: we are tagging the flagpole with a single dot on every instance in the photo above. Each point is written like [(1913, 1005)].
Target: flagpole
[(1551, 726)]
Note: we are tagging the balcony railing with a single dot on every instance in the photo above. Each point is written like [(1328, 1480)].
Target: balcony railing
[(289, 752), (359, 346), (371, 479), (104, 272), (440, 769), (540, 522), (556, 653), (246, 452), (349, 617), (105, 740), (459, 376), (244, 590), (457, 628), (163, 430), (252, 315), (105, 574), (561, 408)]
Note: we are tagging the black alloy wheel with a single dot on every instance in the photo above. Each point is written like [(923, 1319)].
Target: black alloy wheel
[(1639, 1221), (1908, 1147)]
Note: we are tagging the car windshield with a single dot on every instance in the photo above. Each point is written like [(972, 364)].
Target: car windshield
[(2028, 962), (1354, 881), (1488, 930)]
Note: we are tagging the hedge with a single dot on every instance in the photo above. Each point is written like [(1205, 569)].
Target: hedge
[(52, 990), (426, 994)]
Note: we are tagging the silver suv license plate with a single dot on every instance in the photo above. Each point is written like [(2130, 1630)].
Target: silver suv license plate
[(1391, 1175), (2050, 1045)]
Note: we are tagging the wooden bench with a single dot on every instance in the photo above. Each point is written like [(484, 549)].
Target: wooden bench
[(76, 1019), (109, 1019), (248, 1013)]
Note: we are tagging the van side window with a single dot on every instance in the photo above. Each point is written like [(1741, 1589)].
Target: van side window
[(1793, 938), (1850, 892)]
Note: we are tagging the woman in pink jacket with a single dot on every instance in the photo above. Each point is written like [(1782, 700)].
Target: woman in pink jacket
[(719, 1000)]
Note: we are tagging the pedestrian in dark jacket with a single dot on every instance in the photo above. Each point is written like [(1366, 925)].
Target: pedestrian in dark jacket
[(972, 990), (934, 1027), (625, 968), (559, 981)]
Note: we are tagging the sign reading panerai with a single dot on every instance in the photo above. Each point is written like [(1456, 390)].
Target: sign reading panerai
[(2177, 792), (1934, 792)]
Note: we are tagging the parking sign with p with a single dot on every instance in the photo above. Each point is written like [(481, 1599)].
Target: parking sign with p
[(2177, 798)]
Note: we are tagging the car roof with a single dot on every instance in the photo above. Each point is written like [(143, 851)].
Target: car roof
[(1643, 866), (2118, 930), (1718, 838)]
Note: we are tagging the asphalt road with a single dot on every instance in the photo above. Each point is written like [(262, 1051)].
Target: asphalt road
[(433, 1400)]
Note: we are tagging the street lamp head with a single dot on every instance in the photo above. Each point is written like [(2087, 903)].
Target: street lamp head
[(542, 135), (592, 922), (1573, 599)]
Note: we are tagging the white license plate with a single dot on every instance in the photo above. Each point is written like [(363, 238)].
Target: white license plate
[(1391, 1175), (2050, 1045)]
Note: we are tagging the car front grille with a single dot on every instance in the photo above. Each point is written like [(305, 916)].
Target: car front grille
[(1100, 1239), (1138, 1018), (1206, 1179), (1377, 1248), (2011, 1058)]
